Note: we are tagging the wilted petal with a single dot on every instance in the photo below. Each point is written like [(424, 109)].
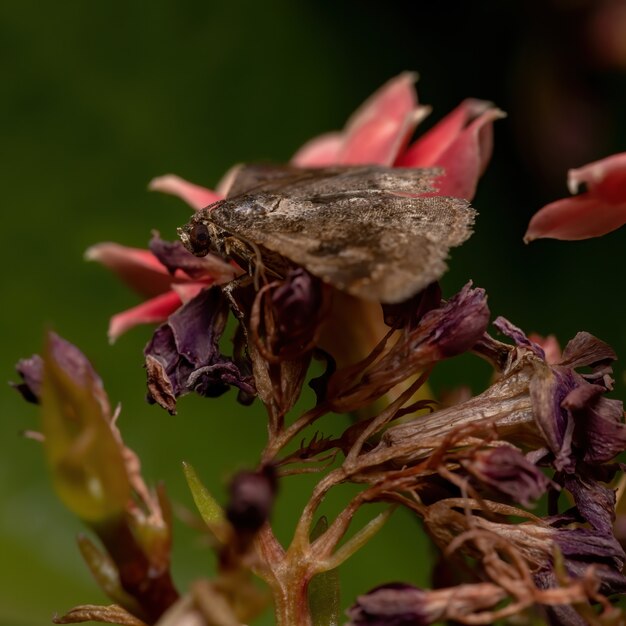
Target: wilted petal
[(320, 151), (398, 604), (599, 428), (586, 350), (548, 389), (508, 471), (297, 306), (595, 502), (517, 335), (382, 125), (194, 195), (183, 354), (138, 268), (461, 144), (174, 256), (460, 323), (151, 311)]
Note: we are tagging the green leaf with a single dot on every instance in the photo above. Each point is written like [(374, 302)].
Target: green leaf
[(357, 541), (208, 507), (85, 458), (324, 589)]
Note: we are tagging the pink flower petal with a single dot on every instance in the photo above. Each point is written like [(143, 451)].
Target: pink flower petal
[(461, 144), (580, 217), (188, 291), (605, 179), (223, 187), (320, 151), (383, 124), (550, 345), (151, 311), (430, 146), (194, 195), (138, 268)]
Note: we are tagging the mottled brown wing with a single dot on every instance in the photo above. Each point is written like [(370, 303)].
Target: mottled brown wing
[(360, 229), (306, 183)]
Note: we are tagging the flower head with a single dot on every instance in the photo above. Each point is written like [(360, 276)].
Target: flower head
[(379, 132)]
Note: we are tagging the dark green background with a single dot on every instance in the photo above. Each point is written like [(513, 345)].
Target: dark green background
[(99, 97)]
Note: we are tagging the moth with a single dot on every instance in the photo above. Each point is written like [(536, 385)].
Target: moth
[(371, 231)]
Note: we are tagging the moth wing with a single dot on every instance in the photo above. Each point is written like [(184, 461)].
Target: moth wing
[(369, 242), (309, 183)]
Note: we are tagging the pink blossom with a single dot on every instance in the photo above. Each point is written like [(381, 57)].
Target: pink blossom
[(600, 209), (144, 272), (379, 132)]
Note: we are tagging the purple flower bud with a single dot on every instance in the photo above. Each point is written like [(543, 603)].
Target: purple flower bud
[(459, 324), (70, 360), (31, 372), (251, 499), (297, 305)]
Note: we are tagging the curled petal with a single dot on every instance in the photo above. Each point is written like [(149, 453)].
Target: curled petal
[(382, 125), (518, 336), (572, 219), (461, 144), (507, 470), (174, 256), (152, 311), (320, 151), (194, 195), (138, 268), (183, 354), (599, 210), (605, 179)]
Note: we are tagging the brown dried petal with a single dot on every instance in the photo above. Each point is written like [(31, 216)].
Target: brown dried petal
[(112, 614)]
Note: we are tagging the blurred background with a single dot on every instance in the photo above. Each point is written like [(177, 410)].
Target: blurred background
[(99, 97)]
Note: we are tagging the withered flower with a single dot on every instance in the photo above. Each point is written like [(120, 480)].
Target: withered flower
[(505, 469), (399, 604), (183, 354)]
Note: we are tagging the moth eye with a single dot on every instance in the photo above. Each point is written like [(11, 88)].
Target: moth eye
[(200, 238)]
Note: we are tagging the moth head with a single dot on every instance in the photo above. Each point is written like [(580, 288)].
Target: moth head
[(200, 236)]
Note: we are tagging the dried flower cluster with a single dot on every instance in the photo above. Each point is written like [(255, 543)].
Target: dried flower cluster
[(470, 471)]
